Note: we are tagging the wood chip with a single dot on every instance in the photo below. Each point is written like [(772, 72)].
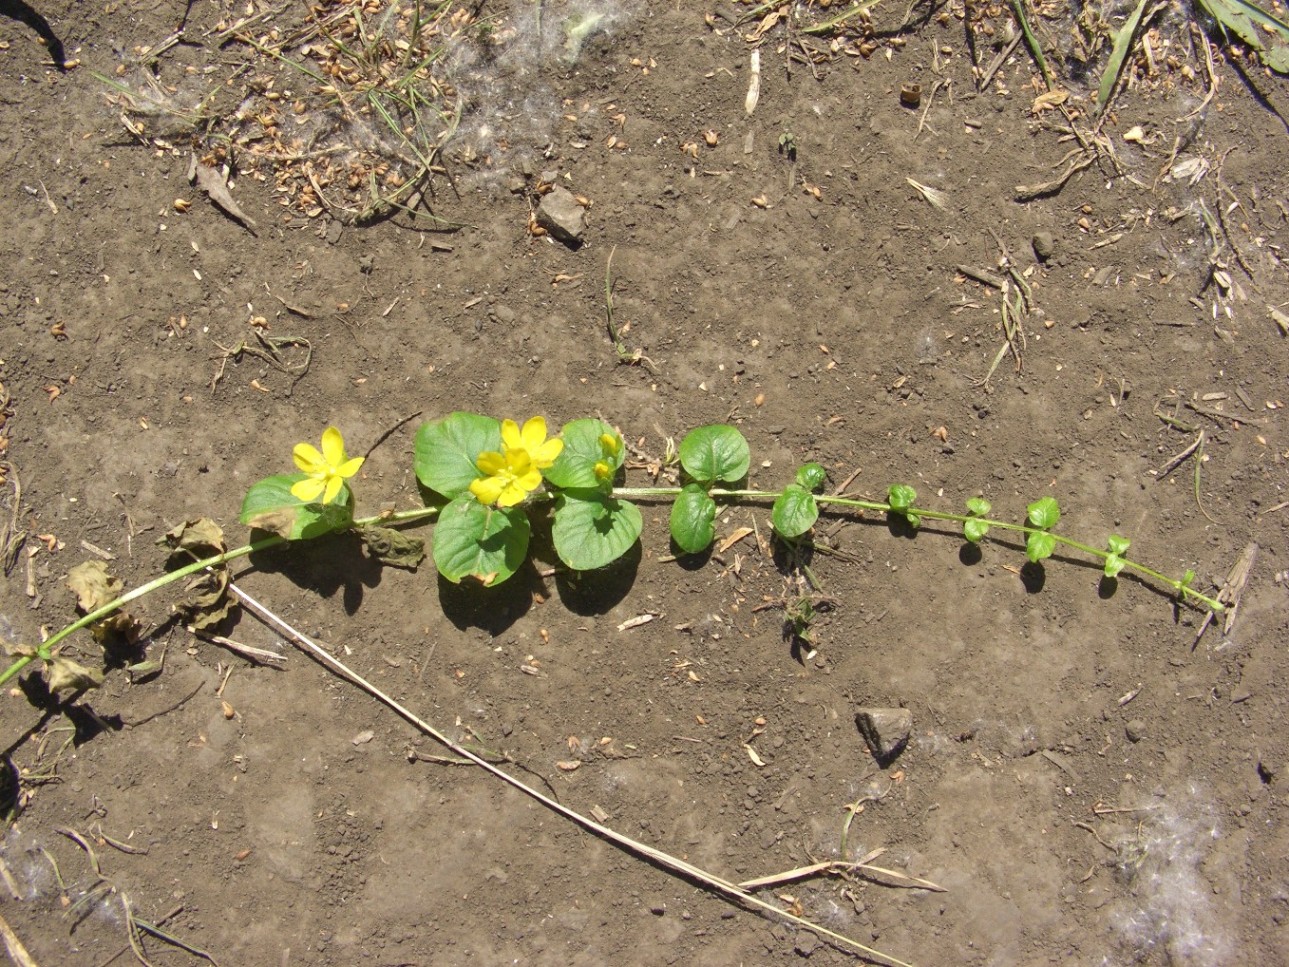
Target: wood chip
[(756, 759), (637, 621), (212, 183)]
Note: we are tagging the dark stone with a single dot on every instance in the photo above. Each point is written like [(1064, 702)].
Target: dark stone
[(886, 730)]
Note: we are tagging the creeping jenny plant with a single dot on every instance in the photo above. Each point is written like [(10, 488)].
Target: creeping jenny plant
[(483, 478)]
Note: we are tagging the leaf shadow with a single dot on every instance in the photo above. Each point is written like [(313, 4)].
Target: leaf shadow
[(325, 565)]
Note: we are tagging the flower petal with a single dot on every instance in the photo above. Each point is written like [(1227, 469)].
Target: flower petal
[(490, 462), (529, 481), (511, 495), (544, 455), (333, 447), (349, 467), (307, 457), (308, 490), (533, 433), (334, 484), (518, 462), (487, 490), (510, 435)]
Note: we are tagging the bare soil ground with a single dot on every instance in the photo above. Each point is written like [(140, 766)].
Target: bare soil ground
[(1089, 782)]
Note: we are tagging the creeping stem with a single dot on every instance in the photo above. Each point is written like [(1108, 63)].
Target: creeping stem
[(1187, 592), (45, 650)]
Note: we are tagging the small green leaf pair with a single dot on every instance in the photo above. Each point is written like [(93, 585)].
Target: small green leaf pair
[(1042, 514), (708, 455)]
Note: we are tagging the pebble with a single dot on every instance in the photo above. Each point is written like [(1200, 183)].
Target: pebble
[(561, 215), (1135, 730), (1044, 245), (886, 730)]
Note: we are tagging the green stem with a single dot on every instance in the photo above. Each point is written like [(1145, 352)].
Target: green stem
[(45, 650), (882, 507)]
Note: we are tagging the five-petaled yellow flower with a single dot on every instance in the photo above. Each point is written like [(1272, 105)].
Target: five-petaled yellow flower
[(516, 471), (327, 471)]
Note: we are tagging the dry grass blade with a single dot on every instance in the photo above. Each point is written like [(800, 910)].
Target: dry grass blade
[(667, 861), (13, 946), (932, 196), (838, 866)]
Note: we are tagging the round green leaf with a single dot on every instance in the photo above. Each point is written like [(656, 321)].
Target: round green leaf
[(1113, 565), (475, 540), (974, 530), (592, 529), (691, 519), (1044, 513), (795, 511), (446, 451), (716, 452), (574, 468), (901, 497), (811, 475), (1117, 545), (1039, 546), (270, 506), (978, 507)]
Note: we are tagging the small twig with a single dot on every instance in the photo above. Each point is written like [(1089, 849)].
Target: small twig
[(388, 433), (1093, 830), (1180, 458), (17, 952), (675, 865)]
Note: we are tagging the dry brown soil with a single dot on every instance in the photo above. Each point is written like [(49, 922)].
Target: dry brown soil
[(280, 810)]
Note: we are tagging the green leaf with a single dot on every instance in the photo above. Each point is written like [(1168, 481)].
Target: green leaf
[(1244, 19), (811, 476), (692, 517), (1039, 546), (1122, 44), (478, 541), (795, 511), (716, 452), (574, 468), (270, 506), (975, 530), (1117, 544), (901, 497), (1044, 513), (446, 451), (393, 547), (592, 529), (1113, 565)]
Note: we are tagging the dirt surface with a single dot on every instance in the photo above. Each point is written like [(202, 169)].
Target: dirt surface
[(1088, 782)]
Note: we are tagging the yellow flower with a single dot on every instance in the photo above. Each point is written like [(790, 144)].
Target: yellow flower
[(532, 438), (511, 477), (327, 471), (516, 471)]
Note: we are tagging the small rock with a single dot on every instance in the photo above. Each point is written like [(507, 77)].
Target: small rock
[(1044, 245), (1135, 730), (562, 216), (806, 943), (886, 730), (658, 909)]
